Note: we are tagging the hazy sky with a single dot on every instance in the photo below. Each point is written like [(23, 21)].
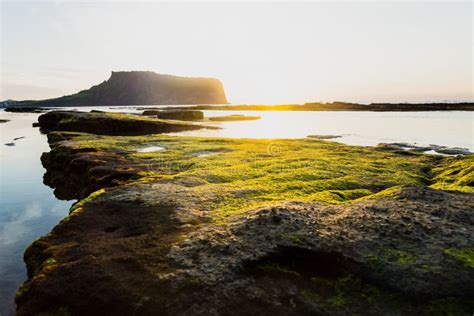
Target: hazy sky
[(262, 52)]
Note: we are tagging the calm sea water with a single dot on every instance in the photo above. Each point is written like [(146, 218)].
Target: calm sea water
[(452, 129), (28, 209)]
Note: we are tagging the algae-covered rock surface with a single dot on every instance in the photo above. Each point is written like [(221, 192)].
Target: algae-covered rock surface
[(104, 123), (269, 226)]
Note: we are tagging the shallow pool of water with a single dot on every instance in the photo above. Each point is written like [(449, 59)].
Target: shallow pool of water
[(150, 149)]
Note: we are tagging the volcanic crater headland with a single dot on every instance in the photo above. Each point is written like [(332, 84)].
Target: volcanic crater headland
[(139, 87), (266, 227)]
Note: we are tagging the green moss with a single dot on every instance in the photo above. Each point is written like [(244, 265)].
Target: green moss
[(68, 120), (294, 238), (250, 173), (78, 206), (50, 261), (344, 291), (455, 174), (402, 257), (465, 256)]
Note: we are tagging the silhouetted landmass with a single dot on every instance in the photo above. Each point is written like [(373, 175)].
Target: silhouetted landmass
[(340, 106), (139, 87)]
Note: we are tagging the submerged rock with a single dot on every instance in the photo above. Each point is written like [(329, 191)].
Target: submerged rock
[(4, 121)]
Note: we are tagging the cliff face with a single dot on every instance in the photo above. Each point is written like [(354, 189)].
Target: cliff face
[(144, 88)]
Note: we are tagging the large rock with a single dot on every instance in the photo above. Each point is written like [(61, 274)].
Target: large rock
[(181, 115), (110, 123), (147, 245)]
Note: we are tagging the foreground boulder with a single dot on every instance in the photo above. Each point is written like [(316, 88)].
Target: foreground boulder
[(110, 123)]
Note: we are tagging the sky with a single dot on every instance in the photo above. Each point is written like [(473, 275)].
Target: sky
[(284, 52)]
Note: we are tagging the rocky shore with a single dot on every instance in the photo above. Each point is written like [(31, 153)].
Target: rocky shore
[(104, 123), (267, 227), (338, 106)]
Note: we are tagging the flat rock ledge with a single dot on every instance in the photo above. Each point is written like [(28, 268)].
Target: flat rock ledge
[(102, 123), (150, 248)]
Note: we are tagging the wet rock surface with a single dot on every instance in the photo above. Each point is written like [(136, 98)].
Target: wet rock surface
[(181, 115), (110, 123), (427, 149)]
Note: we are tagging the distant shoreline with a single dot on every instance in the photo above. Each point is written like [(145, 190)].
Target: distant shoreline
[(327, 107), (338, 106)]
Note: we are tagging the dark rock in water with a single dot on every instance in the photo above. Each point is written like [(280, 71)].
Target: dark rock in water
[(36, 124), (324, 136), (10, 144), (97, 111), (150, 112), (235, 117), (4, 121), (453, 151), (142, 87), (425, 149), (110, 123), (25, 109), (17, 138), (181, 115)]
